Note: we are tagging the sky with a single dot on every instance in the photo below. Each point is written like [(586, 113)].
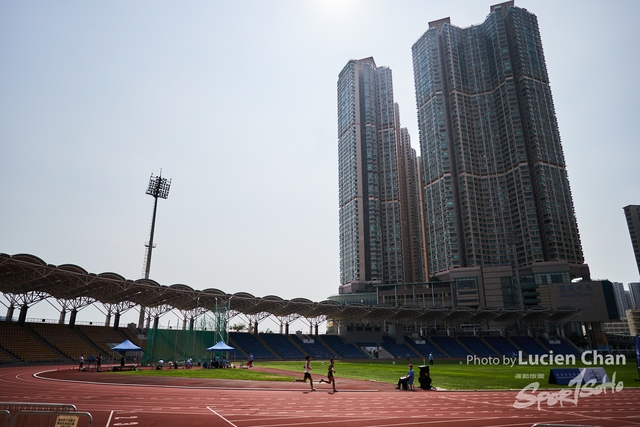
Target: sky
[(235, 102)]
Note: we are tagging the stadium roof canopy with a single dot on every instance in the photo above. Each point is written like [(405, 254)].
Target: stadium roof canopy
[(24, 274)]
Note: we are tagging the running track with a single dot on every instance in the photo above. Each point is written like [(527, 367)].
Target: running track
[(196, 403)]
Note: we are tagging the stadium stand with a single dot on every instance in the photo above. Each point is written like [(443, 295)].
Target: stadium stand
[(133, 337), (477, 346), (346, 351), (51, 342), (450, 346), (529, 345), (5, 358), (367, 344), (281, 345), (559, 346), (19, 342), (395, 349), (426, 348), (103, 336), (315, 349), (66, 340), (249, 344), (502, 345)]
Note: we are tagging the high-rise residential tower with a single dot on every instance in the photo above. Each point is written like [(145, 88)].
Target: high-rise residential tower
[(632, 213), (623, 299), (495, 184), (634, 294), (380, 240)]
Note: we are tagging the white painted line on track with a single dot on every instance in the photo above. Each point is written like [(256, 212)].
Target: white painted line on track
[(230, 423), (109, 420)]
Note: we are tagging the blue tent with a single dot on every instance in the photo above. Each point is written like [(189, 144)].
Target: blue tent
[(125, 346), (220, 346)]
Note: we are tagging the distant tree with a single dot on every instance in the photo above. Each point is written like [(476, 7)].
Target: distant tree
[(238, 327)]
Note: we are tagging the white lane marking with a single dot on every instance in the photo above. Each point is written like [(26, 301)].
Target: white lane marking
[(230, 423), (109, 420)]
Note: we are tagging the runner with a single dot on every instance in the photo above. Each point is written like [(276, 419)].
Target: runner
[(330, 379), (307, 374)]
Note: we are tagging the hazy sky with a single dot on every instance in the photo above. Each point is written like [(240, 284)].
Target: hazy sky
[(236, 102)]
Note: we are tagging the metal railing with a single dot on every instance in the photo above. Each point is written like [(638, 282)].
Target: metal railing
[(31, 414)]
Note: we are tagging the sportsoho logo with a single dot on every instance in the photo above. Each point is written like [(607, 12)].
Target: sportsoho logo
[(527, 396)]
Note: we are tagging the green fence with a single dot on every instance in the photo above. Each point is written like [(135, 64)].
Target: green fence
[(183, 344)]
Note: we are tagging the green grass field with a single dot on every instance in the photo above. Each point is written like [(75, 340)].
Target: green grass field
[(450, 375)]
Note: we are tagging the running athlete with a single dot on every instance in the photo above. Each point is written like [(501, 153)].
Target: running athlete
[(307, 373), (330, 379)]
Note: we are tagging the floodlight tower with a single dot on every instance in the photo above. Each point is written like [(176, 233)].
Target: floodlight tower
[(158, 187)]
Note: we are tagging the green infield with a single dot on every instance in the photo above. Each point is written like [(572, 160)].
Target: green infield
[(453, 375), (196, 372), (445, 374)]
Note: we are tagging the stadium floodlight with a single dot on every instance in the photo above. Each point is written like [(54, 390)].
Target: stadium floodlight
[(158, 188)]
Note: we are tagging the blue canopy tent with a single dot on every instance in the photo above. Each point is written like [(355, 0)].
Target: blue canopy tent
[(220, 346), (124, 347)]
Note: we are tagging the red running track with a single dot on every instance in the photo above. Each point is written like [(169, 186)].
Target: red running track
[(114, 401)]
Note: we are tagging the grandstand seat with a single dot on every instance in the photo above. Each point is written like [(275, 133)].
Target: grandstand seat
[(65, 339), (502, 345), (283, 346), (345, 350), (559, 346), (18, 341), (103, 336), (529, 345), (395, 349), (315, 349), (451, 346), (249, 344), (426, 348), (477, 346), (5, 358)]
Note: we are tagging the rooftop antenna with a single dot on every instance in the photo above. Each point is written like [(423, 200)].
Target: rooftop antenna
[(158, 188)]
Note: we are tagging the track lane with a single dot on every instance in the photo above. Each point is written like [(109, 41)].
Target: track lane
[(225, 403)]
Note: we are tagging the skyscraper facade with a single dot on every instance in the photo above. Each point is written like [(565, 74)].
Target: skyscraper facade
[(495, 184), (632, 213), (623, 299), (378, 188), (634, 294)]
